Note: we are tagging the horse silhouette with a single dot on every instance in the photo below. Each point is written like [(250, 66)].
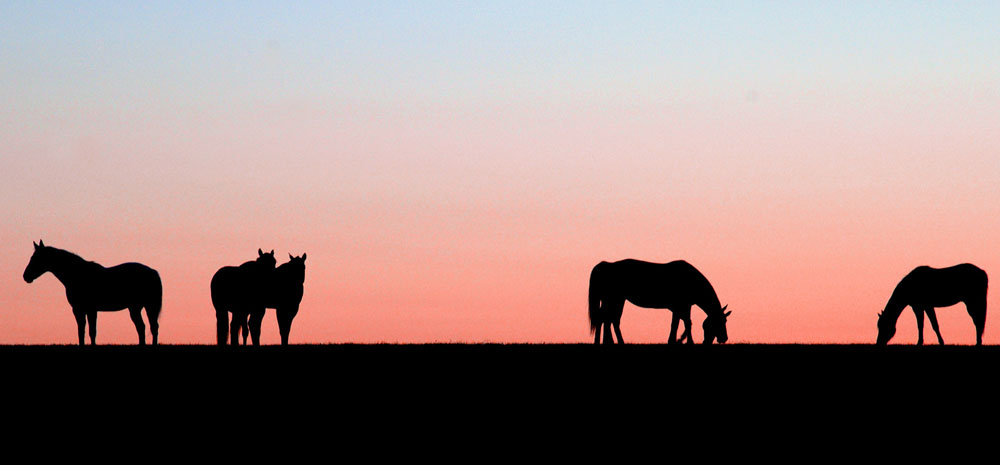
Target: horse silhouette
[(92, 288), (282, 292), (925, 288), (675, 286), (238, 290)]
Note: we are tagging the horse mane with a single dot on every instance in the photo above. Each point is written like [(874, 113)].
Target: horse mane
[(70, 257)]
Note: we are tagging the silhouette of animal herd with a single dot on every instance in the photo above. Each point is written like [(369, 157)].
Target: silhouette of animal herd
[(248, 290)]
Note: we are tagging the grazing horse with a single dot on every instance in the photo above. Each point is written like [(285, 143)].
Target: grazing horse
[(237, 290), (926, 288), (675, 286), (92, 288), (283, 293)]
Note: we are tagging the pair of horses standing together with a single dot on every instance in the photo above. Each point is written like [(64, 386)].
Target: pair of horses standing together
[(92, 288), (248, 290), (678, 285)]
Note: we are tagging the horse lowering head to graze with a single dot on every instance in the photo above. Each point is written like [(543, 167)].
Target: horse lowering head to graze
[(714, 326), (238, 290), (676, 286), (926, 288), (92, 288)]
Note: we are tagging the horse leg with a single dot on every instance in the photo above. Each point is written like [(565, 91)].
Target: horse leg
[(613, 317), (933, 317), (81, 323), (235, 326), (919, 313), (977, 310), (285, 323), (256, 317), (618, 330), (221, 326), (674, 321), (140, 327), (685, 317), (153, 315), (597, 333), (245, 327), (92, 318)]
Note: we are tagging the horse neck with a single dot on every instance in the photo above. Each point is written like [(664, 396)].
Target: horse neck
[(289, 275), (710, 301), (67, 267), (897, 302)]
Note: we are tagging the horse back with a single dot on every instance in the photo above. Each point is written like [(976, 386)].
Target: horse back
[(676, 285), (234, 285), (943, 287), (128, 285)]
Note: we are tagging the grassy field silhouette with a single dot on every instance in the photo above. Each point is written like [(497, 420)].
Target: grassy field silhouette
[(753, 390)]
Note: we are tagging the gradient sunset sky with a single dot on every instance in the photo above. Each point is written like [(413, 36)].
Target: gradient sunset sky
[(455, 169)]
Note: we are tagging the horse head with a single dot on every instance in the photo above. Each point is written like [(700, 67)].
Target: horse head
[(886, 329), (266, 260), (714, 326), (295, 266), (38, 264)]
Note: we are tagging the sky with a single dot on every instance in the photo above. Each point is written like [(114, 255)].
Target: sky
[(455, 169)]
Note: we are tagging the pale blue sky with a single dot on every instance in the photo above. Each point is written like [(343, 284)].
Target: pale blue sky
[(220, 54)]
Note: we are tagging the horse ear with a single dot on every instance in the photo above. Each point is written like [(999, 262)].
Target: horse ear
[(260, 253), (272, 252), (40, 243), (290, 256), (727, 314), (303, 257), (34, 244)]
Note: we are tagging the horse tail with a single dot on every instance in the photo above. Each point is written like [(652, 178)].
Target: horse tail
[(156, 300), (221, 311), (594, 297), (982, 317), (154, 305)]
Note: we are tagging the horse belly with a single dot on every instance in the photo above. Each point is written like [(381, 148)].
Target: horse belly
[(940, 296), (648, 301), (115, 301), (659, 293), (118, 296)]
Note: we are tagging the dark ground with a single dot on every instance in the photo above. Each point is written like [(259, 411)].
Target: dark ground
[(744, 390)]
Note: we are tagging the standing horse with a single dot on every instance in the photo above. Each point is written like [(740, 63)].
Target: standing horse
[(237, 290), (675, 286), (92, 288), (283, 293), (925, 288)]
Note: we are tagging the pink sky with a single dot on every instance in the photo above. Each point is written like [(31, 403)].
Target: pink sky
[(484, 226)]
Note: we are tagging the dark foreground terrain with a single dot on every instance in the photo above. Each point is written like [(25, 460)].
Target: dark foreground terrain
[(467, 389), (520, 372)]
